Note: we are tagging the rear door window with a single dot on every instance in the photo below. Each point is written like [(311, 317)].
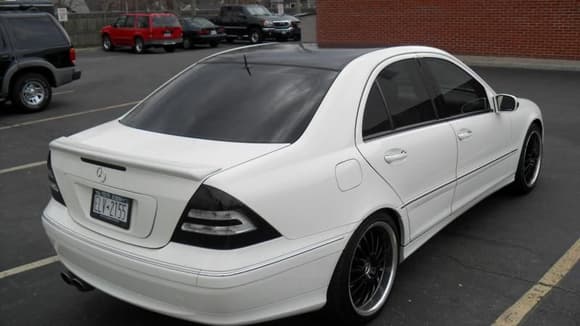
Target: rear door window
[(229, 102), (143, 22), (375, 119), (35, 33), (456, 92), (130, 22), (405, 93)]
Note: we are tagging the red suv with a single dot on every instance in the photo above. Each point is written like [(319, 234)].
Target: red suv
[(141, 31)]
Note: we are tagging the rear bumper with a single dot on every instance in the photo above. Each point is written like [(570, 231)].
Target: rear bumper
[(163, 42), (66, 75), (204, 39), (289, 284)]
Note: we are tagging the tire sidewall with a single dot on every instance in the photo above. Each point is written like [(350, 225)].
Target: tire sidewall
[(339, 308), (260, 36), (18, 88), (104, 41), (139, 49), (520, 186)]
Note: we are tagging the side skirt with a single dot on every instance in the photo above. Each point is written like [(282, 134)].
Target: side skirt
[(419, 241)]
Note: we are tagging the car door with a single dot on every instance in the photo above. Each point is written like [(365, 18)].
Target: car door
[(226, 18), (6, 56), (407, 146), (482, 134), (116, 33), (128, 31), (142, 26)]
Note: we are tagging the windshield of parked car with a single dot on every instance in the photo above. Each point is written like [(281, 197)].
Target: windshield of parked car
[(236, 103), (258, 11), (165, 21)]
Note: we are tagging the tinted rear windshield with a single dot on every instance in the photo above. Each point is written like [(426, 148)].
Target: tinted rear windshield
[(165, 21), (201, 22), (226, 102)]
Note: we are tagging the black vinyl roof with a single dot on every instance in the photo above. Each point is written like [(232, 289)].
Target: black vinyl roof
[(307, 55)]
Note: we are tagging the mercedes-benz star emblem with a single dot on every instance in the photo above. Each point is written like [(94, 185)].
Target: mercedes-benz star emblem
[(101, 175)]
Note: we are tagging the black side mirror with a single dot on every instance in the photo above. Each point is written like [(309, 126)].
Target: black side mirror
[(506, 102)]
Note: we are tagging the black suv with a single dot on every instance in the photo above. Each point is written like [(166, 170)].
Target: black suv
[(36, 54)]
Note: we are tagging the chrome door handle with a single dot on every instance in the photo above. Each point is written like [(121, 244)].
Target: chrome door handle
[(394, 155), (464, 134)]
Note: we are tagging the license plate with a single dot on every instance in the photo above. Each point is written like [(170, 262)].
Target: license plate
[(111, 208), (167, 34), (213, 33)]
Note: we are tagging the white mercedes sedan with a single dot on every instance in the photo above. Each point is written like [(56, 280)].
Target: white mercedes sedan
[(272, 180)]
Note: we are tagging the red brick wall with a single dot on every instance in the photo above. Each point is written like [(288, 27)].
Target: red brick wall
[(512, 28)]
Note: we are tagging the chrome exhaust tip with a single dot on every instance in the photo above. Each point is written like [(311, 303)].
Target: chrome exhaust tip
[(71, 279)]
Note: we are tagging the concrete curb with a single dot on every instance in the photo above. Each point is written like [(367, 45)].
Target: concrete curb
[(522, 63), (304, 14), (88, 49)]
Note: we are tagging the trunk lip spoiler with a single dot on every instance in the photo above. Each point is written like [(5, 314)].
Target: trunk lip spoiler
[(163, 167)]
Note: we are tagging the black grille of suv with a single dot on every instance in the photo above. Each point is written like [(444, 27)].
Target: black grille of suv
[(281, 24)]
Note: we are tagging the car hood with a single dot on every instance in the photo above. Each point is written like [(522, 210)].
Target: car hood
[(280, 17)]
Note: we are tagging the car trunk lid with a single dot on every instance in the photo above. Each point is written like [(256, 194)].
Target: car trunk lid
[(150, 175)]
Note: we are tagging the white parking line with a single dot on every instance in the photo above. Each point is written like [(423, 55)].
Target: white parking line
[(23, 167), (70, 115), (27, 267), (518, 311), (63, 92)]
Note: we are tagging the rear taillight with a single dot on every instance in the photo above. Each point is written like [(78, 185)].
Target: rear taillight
[(213, 219), (72, 54), (204, 31), (54, 190)]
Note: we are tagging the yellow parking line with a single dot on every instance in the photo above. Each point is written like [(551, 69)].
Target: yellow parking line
[(518, 311), (23, 167), (70, 115), (27, 267)]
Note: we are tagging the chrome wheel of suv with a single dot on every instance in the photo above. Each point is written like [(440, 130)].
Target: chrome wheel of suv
[(31, 92)]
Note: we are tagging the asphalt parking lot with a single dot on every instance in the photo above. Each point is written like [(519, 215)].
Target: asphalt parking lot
[(469, 274)]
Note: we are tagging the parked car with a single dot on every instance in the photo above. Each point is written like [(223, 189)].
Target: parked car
[(36, 55), (199, 30), (256, 23), (304, 186), (142, 31)]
